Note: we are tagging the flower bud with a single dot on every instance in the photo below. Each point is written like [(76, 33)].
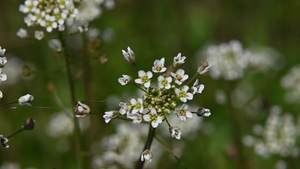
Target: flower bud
[(81, 110), (25, 100)]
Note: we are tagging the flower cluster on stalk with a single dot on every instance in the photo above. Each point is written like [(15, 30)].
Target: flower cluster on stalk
[(3, 61), (164, 95)]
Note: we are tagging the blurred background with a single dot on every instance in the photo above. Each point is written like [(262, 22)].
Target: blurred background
[(153, 29)]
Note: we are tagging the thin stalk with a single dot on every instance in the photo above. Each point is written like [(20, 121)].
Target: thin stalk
[(151, 133), (17, 132), (192, 79), (139, 87), (170, 151), (73, 102)]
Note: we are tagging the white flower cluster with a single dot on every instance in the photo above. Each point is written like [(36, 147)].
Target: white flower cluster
[(291, 82), (88, 10), (3, 61), (48, 14), (158, 102), (278, 136)]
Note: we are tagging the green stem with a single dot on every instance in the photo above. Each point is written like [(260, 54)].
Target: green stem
[(192, 79), (139, 87), (170, 151), (151, 133), (19, 131), (73, 102)]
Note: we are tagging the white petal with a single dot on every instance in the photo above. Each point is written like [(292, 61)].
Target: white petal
[(146, 117), (141, 73)]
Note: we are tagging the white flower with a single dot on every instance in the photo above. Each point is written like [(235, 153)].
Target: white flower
[(124, 108), (203, 68), (175, 132), (39, 35), (55, 44), (153, 117), (124, 80), (203, 112), (164, 82), (129, 55), (144, 78), (178, 60), (2, 61), (183, 113), (110, 115), (159, 66), (3, 76), (82, 110), (3, 141), (137, 118), (183, 94), (137, 105), (2, 51), (196, 88), (83, 28), (179, 76), (1, 94), (147, 156), (22, 33), (25, 100)]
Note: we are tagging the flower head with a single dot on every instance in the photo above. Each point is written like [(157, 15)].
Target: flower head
[(183, 113), (25, 100), (153, 117), (203, 68), (3, 141), (110, 115), (146, 156), (2, 51), (129, 55), (22, 33), (145, 78), (159, 66), (178, 60), (164, 82), (183, 93), (82, 110), (137, 118), (124, 80), (179, 76), (203, 112), (175, 132), (2, 61), (3, 76), (196, 88), (39, 35), (125, 108), (137, 105)]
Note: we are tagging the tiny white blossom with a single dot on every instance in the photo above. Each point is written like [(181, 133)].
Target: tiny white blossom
[(22, 33), (1, 94), (179, 76), (2, 51), (183, 113), (175, 132), (178, 60), (137, 118), (82, 110), (164, 82), (124, 80), (203, 112), (124, 108), (153, 117), (129, 55), (3, 141), (196, 88), (3, 76), (183, 93), (146, 156), (137, 105), (55, 44), (109, 115), (2, 61), (83, 28), (39, 35), (159, 66), (25, 100), (145, 78)]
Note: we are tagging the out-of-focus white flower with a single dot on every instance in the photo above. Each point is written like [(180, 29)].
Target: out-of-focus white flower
[(25, 100), (179, 76), (39, 35), (55, 44), (203, 68), (183, 93), (175, 132), (2, 51), (145, 78), (22, 33), (110, 115), (124, 80), (291, 82), (178, 60), (146, 156), (10, 165), (82, 110), (3, 61), (159, 66), (83, 28), (153, 117), (1, 94), (129, 55), (3, 141), (3, 76), (164, 82), (183, 113)]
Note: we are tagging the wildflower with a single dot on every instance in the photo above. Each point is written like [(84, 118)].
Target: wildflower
[(83, 28), (22, 33), (183, 113), (39, 35), (124, 80), (159, 66), (2, 61), (3, 141), (55, 44), (29, 124), (175, 132), (147, 156), (144, 79), (203, 68), (3, 76), (124, 108), (81, 110), (179, 76), (203, 112), (110, 115), (153, 117), (164, 82), (178, 60), (2, 51), (129, 55), (137, 105), (25, 100), (137, 118), (183, 94), (196, 88)]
